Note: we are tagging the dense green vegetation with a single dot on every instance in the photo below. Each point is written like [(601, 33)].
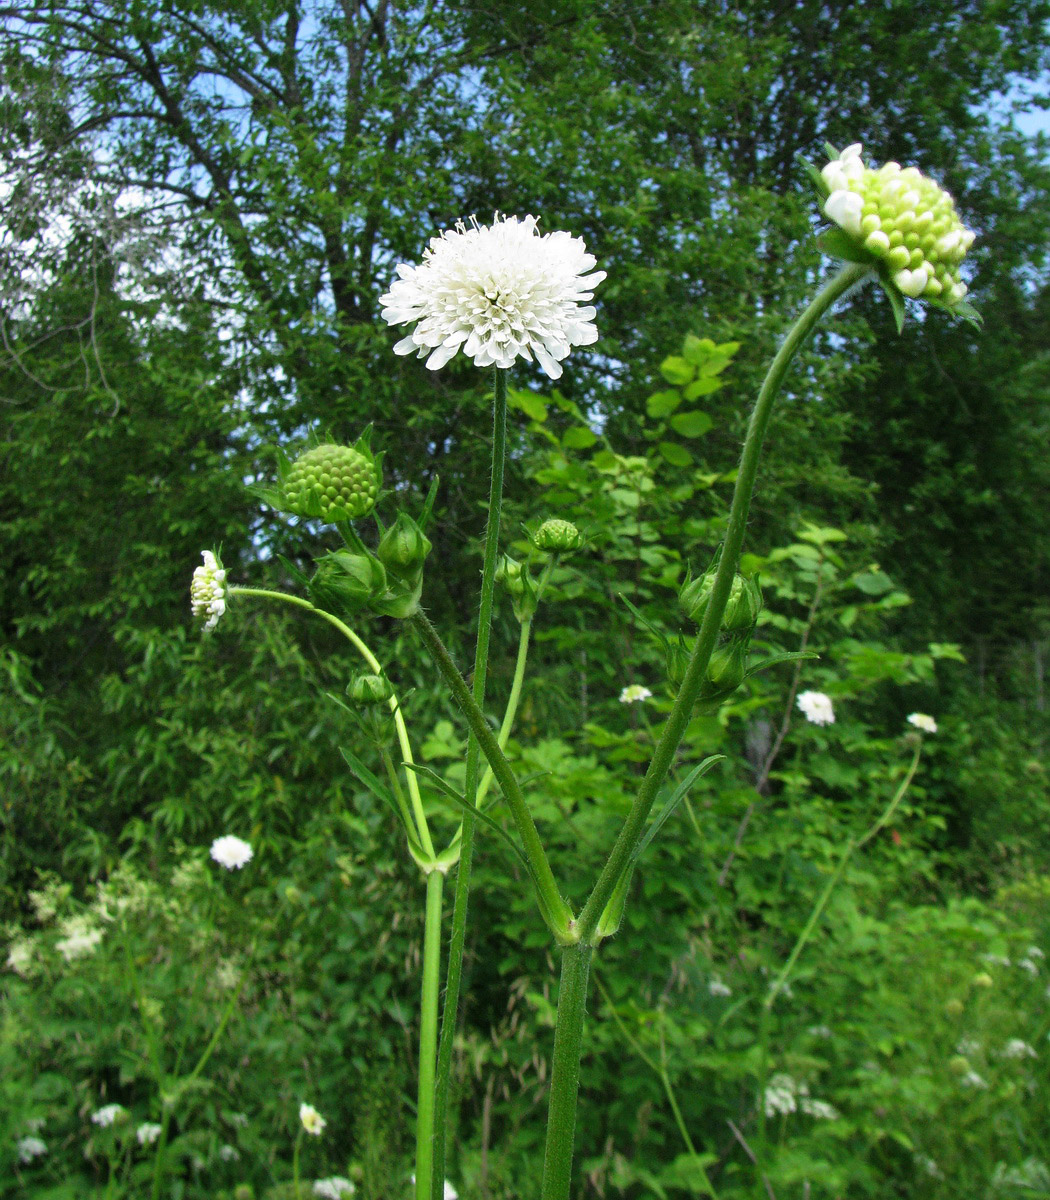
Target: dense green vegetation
[(201, 209)]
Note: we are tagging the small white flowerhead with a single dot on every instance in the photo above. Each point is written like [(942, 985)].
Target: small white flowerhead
[(312, 1120), (972, 1080), (29, 1148), (147, 1133), (208, 591), (782, 1095), (816, 708), (819, 1109), (231, 852), (334, 1188), (449, 1192), (497, 292), (1017, 1048), (81, 936), (229, 1153), (717, 988), (634, 693), (20, 957), (923, 722), (109, 1114)]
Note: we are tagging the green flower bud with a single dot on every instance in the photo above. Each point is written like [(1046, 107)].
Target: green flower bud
[(348, 581), (335, 483), (366, 690), (742, 607), (557, 537), (958, 1064), (728, 665), (509, 574), (403, 548)]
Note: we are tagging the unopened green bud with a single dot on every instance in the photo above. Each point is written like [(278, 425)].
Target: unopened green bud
[(404, 547), (954, 1007), (367, 690), (557, 537), (727, 667), (742, 607), (335, 483), (348, 580), (509, 574), (959, 1064)]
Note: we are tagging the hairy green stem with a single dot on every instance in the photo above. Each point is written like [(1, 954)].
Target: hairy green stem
[(395, 708), (428, 1023)]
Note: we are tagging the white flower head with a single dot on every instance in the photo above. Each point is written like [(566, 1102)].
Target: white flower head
[(81, 935), (109, 1114), (819, 1109), (634, 693), (312, 1120), (782, 1095), (208, 591), (334, 1188), (229, 1153), (717, 988), (20, 957), (972, 1080), (1017, 1048), (497, 292), (29, 1148), (816, 708), (147, 1133), (231, 852), (921, 721)]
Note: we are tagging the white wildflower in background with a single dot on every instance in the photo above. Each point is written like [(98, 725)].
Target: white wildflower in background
[(782, 1095), (312, 1120), (929, 1166), (229, 1153), (334, 1188), (207, 591), (634, 693), (109, 1114), (820, 1031), (147, 1133), (921, 721), (968, 1047), (819, 1109), (497, 292), (449, 1192), (1034, 952), (1026, 964), (972, 1080), (816, 708), (20, 957), (80, 937), (238, 1120), (904, 220), (231, 852), (717, 988), (29, 1148), (997, 960), (1017, 1048)]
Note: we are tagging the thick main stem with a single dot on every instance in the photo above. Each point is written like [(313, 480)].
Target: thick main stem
[(466, 854), (565, 1072), (428, 1022)]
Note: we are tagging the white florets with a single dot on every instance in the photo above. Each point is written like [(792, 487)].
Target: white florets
[(231, 852), (81, 935), (207, 591), (109, 1114), (634, 693), (29, 1148), (922, 721), (147, 1133), (1017, 1048), (816, 708), (497, 292)]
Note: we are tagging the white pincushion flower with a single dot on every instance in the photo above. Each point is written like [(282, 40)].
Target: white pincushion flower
[(109, 1114), (312, 1120), (816, 708), (497, 292), (904, 220), (634, 693), (29, 1148), (207, 591), (147, 1133), (231, 852), (922, 721), (334, 1188)]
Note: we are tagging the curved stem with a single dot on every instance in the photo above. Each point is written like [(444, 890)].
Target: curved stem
[(633, 827), (428, 1020), (395, 708), (471, 793)]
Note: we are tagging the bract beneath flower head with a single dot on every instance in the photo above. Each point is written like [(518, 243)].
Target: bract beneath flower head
[(497, 292)]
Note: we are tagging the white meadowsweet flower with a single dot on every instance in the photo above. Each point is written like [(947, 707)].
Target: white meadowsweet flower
[(497, 292), (1017, 1048), (1034, 952), (231, 852), (972, 1080), (816, 708), (109, 1114), (335, 1187), (29, 1148), (717, 988), (782, 1095), (634, 693), (904, 220), (819, 1109), (921, 721), (81, 935), (229, 1153), (1027, 964), (312, 1120), (20, 957), (147, 1133), (208, 591)]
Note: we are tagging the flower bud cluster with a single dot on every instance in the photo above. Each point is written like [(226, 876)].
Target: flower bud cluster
[(335, 483), (368, 690), (727, 668), (903, 219)]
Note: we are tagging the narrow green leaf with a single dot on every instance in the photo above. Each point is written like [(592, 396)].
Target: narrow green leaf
[(673, 802), (382, 793), (896, 303)]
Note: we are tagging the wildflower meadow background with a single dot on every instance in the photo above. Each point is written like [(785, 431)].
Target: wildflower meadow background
[(830, 978)]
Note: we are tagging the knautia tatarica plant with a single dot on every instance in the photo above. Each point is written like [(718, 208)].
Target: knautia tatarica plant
[(498, 294)]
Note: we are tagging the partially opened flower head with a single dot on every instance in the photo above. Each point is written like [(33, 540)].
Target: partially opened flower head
[(904, 220), (208, 591), (497, 292)]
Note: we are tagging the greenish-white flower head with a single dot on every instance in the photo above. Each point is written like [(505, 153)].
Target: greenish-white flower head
[(312, 1121), (109, 1114), (334, 483), (923, 721), (904, 220), (556, 536), (208, 591), (634, 693)]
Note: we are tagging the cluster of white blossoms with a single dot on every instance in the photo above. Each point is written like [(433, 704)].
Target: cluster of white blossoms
[(208, 591), (311, 1119), (902, 218), (29, 1148), (921, 721), (335, 1187), (497, 292), (634, 693), (231, 852), (1017, 1048), (785, 1095), (109, 1114), (717, 988), (80, 936), (20, 956), (816, 708), (147, 1133)]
